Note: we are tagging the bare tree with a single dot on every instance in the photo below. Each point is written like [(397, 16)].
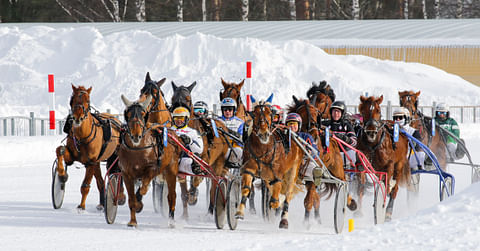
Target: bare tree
[(96, 10), (405, 9), (139, 10), (244, 10), (204, 10), (293, 11), (180, 11), (437, 9), (355, 10), (265, 10), (459, 8), (217, 4), (424, 9)]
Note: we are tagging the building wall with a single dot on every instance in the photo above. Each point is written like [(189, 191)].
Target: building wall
[(463, 61)]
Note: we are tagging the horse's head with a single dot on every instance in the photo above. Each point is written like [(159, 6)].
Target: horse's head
[(80, 104), (371, 112), (232, 90), (262, 121), (322, 96), (311, 116), (409, 100), (182, 95), (152, 88), (136, 116)]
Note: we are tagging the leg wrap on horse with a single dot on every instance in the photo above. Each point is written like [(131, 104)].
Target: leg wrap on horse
[(271, 183), (244, 200), (84, 185), (285, 208), (62, 150)]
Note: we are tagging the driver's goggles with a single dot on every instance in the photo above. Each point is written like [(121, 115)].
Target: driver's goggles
[(182, 119), (442, 113), (397, 118), (292, 123), (199, 110)]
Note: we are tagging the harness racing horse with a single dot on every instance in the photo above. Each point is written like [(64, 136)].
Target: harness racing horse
[(385, 155), (232, 90), (143, 155), (214, 150), (321, 96), (266, 156), (93, 138), (409, 100), (158, 112), (331, 158)]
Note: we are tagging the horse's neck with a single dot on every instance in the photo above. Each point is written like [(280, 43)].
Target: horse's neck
[(85, 129), (161, 115)]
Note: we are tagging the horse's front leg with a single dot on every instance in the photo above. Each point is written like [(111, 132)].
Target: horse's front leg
[(63, 156), (100, 186), (172, 196), (247, 178), (129, 184), (290, 183), (392, 191), (309, 200), (85, 188), (184, 194)]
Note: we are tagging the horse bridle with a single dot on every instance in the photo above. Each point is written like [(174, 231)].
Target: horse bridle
[(84, 111), (263, 118), (176, 103), (137, 113), (228, 94)]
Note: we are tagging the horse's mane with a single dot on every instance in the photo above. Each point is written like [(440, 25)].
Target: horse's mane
[(322, 87), (296, 104)]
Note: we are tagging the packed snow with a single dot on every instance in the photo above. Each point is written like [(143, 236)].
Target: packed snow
[(117, 64)]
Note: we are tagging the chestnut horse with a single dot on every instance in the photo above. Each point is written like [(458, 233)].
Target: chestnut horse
[(409, 100), (385, 155), (233, 90), (321, 96), (214, 150), (332, 158), (142, 155), (93, 138), (266, 156)]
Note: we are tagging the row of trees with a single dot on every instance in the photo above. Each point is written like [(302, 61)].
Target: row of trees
[(231, 10)]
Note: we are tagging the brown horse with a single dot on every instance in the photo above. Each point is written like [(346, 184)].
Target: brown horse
[(332, 158), (214, 150), (409, 100), (142, 155), (266, 156), (321, 96), (385, 155), (158, 112), (93, 138), (233, 90)]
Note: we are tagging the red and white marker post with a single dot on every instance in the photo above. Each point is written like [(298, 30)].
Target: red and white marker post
[(249, 76), (51, 92)]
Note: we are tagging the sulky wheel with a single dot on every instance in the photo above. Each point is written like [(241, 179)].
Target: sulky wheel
[(208, 186), (220, 199), (379, 206), (58, 188), (111, 196), (234, 194), (339, 208), (446, 190), (160, 196)]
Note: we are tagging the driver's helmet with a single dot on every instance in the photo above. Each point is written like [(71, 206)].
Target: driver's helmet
[(442, 109), (338, 105), (294, 117), (200, 108), (401, 115), (180, 116), (277, 112)]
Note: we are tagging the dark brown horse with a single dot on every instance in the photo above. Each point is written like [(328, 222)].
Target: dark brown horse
[(265, 156), (142, 155), (93, 138), (332, 158), (233, 90), (158, 112), (409, 100), (214, 148), (376, 142), (321, 96)]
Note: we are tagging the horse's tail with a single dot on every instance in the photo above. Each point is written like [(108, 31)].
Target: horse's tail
[(328, 190)]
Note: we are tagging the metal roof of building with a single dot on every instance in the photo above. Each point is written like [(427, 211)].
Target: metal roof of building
[(381, 32)]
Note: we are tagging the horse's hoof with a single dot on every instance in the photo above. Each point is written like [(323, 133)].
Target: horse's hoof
[(352, 206), (121, 199), (388, 217), (63, 178), (79, 207), (100, 207), (283, 224), (193, 197), (139, 208), (239, 216), (171, 223), (132, 224), (253, 211)]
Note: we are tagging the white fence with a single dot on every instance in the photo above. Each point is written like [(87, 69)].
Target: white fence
[(32, 126)]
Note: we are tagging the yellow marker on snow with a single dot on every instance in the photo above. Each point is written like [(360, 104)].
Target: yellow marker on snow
[(350, 225)]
